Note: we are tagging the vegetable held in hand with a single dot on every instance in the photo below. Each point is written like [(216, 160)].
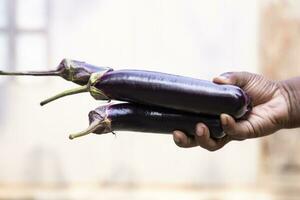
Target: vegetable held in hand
[(165, 90), (76, 71), (134, 117)]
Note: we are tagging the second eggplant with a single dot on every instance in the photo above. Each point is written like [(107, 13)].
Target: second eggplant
[(135, 117)]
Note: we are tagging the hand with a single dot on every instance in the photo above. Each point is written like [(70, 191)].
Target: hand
[(269, 113)]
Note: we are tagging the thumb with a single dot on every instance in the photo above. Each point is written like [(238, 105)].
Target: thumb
[(240, 79)]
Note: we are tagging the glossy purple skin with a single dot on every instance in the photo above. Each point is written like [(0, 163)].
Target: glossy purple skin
[(176, 92), (140, 118)]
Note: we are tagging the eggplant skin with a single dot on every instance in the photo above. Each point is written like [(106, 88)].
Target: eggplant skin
[(140, 118), (175, 92)]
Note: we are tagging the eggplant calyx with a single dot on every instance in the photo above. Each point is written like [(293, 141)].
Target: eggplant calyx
[(74, 71), (98, 94), (96, 125), (95, 77), (68, 69), (94, 91)]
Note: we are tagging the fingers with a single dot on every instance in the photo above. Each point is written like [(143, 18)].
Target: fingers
[(205, 141), (221, 79), (240, 79), (236, 130), (202, 139), (182, 140)]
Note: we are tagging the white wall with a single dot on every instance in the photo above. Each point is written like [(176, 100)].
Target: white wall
[(195, 38)]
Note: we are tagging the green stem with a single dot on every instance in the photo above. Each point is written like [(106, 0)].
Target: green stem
[(32, 73), (93, 126), (81, 89)]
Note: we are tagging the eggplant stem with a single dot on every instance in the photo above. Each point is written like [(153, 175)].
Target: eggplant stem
[(32, 73), (93, 126), (66, 93)]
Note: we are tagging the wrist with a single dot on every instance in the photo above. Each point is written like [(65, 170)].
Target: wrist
[(290, 90)]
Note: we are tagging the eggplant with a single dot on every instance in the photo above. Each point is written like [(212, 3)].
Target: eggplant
[(165, 90), (141, 118), (71, 70)]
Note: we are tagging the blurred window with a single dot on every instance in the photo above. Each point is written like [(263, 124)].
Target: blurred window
[(24, 34), (3, 35)]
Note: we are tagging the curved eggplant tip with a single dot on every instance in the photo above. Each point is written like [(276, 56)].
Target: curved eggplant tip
[(75, 135), (66, 93), (71, 136), (45, 102), (92, 127)]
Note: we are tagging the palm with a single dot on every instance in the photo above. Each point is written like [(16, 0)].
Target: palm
[(269, 108)]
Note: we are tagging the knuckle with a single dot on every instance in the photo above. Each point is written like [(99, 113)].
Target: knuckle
[(179, 145), (227, 74), (212, 149), (234, 133), (209, 148), (182, 145), (238, 136)]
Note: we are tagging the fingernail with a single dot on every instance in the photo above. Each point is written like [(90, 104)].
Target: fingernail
[(176, 140), (223, 77), (225, 121), (206, 133), (226, 75), (200, 131)]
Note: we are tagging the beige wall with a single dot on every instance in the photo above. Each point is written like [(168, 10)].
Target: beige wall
[(279, 56)]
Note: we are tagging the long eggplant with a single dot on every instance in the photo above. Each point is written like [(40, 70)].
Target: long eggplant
[(71, 70), (165, 90), (136, 117)]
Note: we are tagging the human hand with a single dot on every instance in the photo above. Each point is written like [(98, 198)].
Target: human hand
[(270, 113)]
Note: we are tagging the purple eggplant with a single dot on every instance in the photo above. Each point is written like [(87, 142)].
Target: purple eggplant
[(141, 118), (165, 90), (71, 70)]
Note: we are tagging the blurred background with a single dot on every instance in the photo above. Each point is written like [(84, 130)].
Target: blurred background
[(194, 38)]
